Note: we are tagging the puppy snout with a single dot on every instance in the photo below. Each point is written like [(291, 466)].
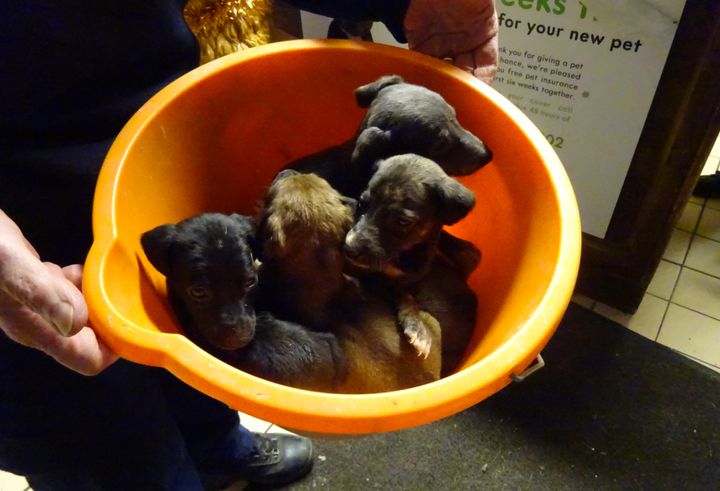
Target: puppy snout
[(478, 152), (351, 252), (229, 318), (483, 154), (352, 247), (362, 250), (238, 317), (236, 330)]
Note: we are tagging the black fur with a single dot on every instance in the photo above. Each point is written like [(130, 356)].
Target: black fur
[(211, 281), (401, 118), (290, 354)]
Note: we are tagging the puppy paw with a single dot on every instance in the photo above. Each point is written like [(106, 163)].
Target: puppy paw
[(417, 334)]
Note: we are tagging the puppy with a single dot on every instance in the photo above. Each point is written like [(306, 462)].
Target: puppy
[(301, 231), (301, 234), (211, 282), (400, 118), (211, 277), (401, 217)]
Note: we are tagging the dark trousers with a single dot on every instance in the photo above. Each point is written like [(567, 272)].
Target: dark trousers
[(131, 427)]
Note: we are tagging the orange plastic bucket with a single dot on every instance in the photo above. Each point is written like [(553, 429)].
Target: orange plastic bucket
[(214, 139)]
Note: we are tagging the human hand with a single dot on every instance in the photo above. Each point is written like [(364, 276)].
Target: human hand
[(41, 305), (463, 31)]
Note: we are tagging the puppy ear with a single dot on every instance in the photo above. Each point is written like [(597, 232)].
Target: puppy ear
[(456, 200), (272, 238), (371, 145), (247, 226), (283, 174), (156, 243), (365, 94)]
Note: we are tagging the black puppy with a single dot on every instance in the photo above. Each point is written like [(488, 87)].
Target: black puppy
[(211, 280), (401, 118), (401, 217), (210, 274)]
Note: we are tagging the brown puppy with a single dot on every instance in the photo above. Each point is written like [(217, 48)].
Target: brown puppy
[(301, 234), (401, 217)]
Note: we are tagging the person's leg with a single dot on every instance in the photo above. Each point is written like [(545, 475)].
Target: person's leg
[(708, 186), (124, 429), (224, 450), (65, 431)]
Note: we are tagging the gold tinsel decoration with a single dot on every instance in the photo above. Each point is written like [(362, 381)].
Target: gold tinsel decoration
[(226, 26)]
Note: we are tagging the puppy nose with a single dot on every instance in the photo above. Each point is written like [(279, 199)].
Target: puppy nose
[(229, 318), (485, 155)]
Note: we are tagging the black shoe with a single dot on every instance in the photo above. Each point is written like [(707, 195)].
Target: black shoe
[(279, 459), (708, 186)]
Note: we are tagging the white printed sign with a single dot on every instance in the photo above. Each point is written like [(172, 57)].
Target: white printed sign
[(585, 72)]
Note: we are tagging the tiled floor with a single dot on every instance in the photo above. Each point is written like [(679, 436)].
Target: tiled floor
[(681, 308)]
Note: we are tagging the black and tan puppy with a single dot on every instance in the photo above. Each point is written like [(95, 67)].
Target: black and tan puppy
[(211, 281), (400, 118), (401, 215), (400, 222), (301, 234)]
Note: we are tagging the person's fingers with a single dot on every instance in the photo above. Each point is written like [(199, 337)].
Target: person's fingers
[(41, 305), (480, 63), (486, 58), (73, 273), (466, 61), (42, 288), (460, 30), (83, 352)]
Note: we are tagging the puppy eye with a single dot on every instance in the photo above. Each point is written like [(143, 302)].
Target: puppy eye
[(199, 293), (404, 221)]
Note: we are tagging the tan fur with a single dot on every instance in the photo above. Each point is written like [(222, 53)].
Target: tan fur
[(307, 202), (303, 225), (306, 221), (379, 358)]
